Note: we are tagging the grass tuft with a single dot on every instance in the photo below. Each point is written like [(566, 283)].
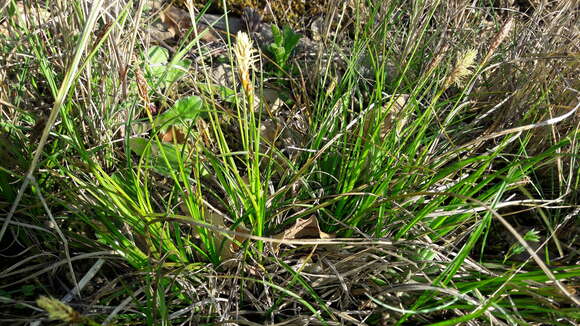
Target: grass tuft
[(378, 163)]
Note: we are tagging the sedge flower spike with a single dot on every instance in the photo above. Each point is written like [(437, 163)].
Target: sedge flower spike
[(462, 69), (58, 310), (245, 58)]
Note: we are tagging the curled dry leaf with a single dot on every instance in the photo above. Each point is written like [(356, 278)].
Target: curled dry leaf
[(302, 229), (396, 118), (173, 134), (226, 247), (176, 20), (179, 21)]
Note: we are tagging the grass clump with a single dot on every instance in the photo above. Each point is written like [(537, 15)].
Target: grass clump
[(417, 164)]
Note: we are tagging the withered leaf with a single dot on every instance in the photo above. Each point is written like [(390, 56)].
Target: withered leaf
[(178, 22), (173, 134), (302, 229)]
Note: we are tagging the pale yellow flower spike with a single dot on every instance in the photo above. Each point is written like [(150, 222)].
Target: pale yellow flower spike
[(58, 310), (245, 57), (465, 61)]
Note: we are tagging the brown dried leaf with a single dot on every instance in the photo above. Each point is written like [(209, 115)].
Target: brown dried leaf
[(173, 134), (227, 248), (302, 229), (177, 20), (396, 118)]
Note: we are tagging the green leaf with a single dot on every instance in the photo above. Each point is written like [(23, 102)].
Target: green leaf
[(291, 39), (157, 55), (186, 109), (225, 93), (176, 71), (160, 69), (153, 155), (279, 53), (516, 249), (277, 34), (284, 43), (138, 145), (28, 290)]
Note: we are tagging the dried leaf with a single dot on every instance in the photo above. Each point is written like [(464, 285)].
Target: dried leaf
[(173, 134), (302, 229), (176, 20), (396, 118), (227, 248)]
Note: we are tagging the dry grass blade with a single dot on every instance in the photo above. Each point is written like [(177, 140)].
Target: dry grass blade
[(61, 235), (122, 306), (60, 98), (548, 122), (311, 242), (426, 287), (52, 267), (520, 239)]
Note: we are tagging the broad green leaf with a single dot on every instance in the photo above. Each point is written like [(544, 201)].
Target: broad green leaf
[(157, 55), (159, 67), (290, 40), (176, 71), (285, 41), (184, 110), (154, 155), (277, 34), (225, 93), (138, 145)]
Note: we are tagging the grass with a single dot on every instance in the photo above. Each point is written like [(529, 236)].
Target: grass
[(421, 169)]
